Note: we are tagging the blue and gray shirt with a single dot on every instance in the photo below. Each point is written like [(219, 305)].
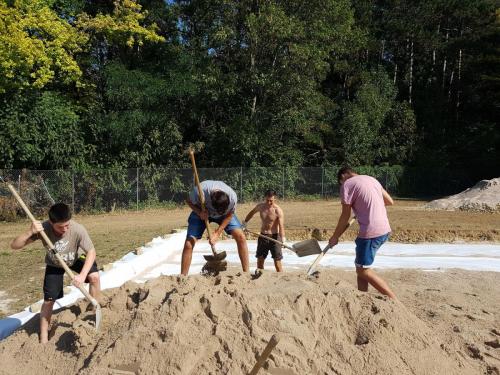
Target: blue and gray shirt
[(210, 186)]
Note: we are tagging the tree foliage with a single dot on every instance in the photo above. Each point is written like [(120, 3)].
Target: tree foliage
[(36, 46), (258, 83)]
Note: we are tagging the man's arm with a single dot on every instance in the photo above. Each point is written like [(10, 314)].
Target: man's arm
[(89, 261), (387, 198), (341, 225), (25, 239), (281, 224), (224, 223), (203, 214), (220, 229), (251, 213)]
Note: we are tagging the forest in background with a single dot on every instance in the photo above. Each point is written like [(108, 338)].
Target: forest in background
[(410, 85)]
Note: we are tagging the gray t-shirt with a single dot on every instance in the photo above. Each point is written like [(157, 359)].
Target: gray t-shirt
[(210, 186), (67, 245)]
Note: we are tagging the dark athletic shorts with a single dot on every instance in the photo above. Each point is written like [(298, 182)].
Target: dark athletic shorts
[(53, 281), (264, 246)]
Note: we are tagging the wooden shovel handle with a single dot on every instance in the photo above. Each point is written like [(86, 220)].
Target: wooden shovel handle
[(197, 180), (201, 195), (313, 266), (275, 339), (270, 239), (50, 244)]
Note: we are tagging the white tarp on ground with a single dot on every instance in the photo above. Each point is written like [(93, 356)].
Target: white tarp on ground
[(163, 257)]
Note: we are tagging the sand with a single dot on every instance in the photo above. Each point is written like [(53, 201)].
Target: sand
[(446, 323), (484, 196)]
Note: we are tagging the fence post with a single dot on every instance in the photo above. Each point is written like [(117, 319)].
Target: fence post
[(137, 189), (283, 182), (241, 184), (73, 191), (322, 188)]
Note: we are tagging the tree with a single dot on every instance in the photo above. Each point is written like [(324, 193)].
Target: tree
[(261, 65), (42, 131), (364, 118), (36, 46)]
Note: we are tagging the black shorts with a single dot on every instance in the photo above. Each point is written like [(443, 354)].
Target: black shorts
[(264, 246), (54, 279)]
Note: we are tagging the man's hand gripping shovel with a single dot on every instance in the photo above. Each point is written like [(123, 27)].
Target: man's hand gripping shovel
[(92, 300)]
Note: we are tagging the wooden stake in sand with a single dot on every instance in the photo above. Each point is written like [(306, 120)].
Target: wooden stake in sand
[(275, 339)]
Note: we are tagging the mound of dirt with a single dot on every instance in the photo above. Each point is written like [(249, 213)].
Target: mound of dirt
[(483, 196), (219, 325)]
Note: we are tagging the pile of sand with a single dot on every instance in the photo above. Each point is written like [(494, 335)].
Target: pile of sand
[(483, 196), (219, 325)]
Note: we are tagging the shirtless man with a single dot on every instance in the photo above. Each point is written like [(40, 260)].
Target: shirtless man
[(273, 225)]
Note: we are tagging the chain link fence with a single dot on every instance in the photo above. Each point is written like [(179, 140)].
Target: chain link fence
[(105, 190)]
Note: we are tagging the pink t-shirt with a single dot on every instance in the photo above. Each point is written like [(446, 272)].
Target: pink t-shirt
[(364, 194)]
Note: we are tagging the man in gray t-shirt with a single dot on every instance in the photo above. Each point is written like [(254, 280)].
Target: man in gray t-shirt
[(208, 187), (68, 245), (220, 202), (69, 239)]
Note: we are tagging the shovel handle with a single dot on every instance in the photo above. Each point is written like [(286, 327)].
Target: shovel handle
[(275, 339), (270, 239), (201, 196), (51, 245)]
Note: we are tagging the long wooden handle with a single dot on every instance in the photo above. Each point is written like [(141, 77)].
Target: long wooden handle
[(313, 266), (201, 196), (197, 180), (50, 244), (320, 256), (275, 339), (271, 239)]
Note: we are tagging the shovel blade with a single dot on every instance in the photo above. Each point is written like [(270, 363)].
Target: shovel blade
[(307, 247), (98, 316), (214, 267), (217, 257)]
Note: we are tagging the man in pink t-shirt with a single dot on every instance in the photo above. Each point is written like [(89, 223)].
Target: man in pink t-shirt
[(367, 198)]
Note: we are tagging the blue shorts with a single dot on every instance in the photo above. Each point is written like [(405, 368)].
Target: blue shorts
[(366, 248), (196, 226)]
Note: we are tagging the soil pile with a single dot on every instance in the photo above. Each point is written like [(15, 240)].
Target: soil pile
[(220, 324), (483, 196)]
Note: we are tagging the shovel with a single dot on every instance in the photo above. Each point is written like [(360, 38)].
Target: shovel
[(322, 254), (216, 256), (62, 263), (302, 249)]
